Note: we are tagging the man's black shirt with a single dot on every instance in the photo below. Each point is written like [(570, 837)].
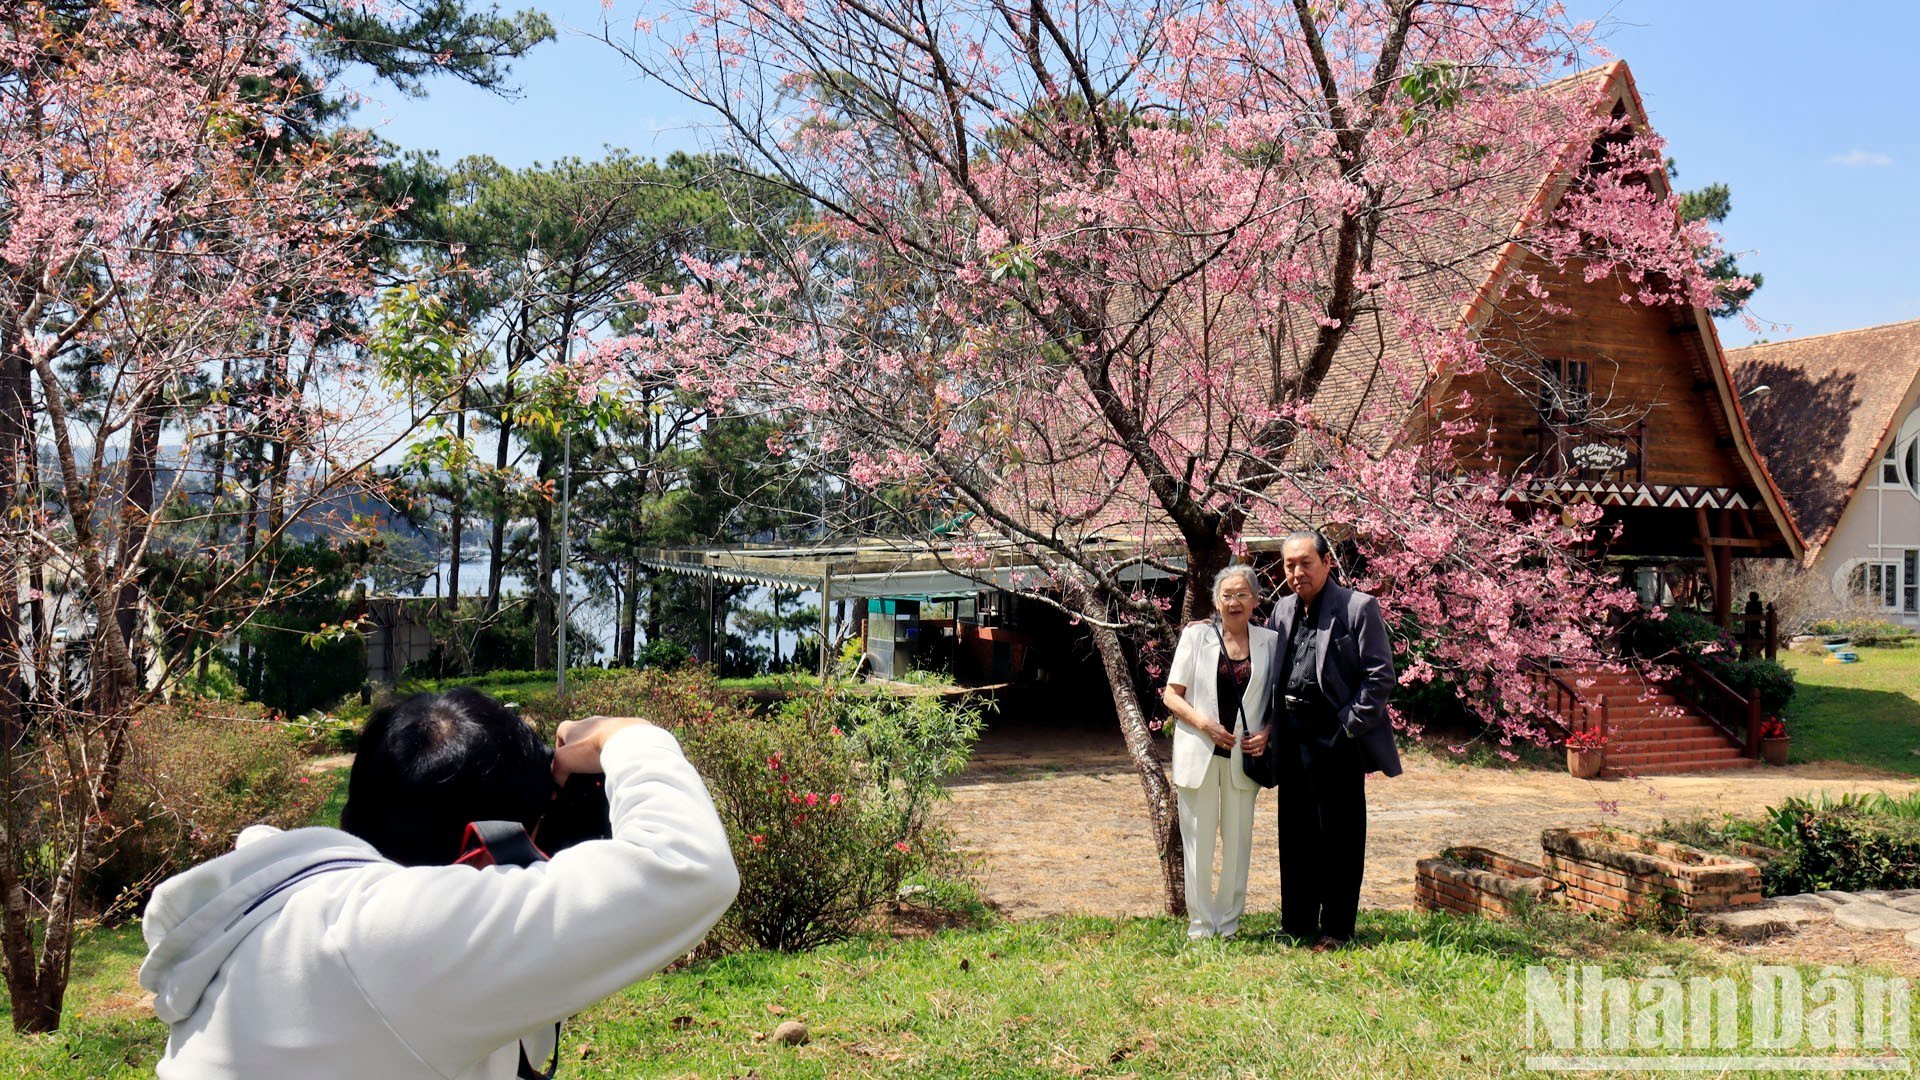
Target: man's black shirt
[(1298, 668)]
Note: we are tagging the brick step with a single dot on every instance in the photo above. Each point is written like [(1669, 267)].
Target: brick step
[(1665, 769), (1669, 746), (1638, 713), (1691, 759), (1662, 729)]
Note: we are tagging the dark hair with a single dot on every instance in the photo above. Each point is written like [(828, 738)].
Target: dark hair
[(1319, 541), (427, 766)]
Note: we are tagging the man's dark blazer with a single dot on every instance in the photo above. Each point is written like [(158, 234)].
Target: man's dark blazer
[(1354, 662)]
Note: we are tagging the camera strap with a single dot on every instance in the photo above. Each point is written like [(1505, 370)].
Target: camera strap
[(506, 843)]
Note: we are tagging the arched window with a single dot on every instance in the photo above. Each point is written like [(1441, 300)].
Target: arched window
[(1901, 465)]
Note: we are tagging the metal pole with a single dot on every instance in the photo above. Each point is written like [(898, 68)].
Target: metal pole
[(566, 491), (826, 621)]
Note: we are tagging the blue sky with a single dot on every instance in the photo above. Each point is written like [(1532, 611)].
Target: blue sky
[(1809, 118)]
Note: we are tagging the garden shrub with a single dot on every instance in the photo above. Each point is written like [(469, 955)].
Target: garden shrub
[(1853, 841), (1863, 631), (827, 800), (196, 774), (1848, 847), (321, 734), (1772, 681), (1684, 633), (663, 653)]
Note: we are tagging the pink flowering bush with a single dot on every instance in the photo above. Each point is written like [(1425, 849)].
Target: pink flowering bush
[(827, 801), (196, 774)]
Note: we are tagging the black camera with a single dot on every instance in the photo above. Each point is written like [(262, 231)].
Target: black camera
[(579, 812)]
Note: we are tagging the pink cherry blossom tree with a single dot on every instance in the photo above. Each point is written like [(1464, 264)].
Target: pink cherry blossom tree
[(168, 262), (1128, 281)]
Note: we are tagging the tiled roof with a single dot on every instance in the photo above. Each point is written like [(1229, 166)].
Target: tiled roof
[(1833, 399)]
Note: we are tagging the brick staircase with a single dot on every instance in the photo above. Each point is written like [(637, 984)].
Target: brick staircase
[(1649, 731)]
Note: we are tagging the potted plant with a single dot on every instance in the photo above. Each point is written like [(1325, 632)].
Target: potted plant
[(1586, 753), (1773, 741)]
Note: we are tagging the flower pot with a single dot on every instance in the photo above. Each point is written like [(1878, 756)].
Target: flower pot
[(1585, 764), (1774, 751)]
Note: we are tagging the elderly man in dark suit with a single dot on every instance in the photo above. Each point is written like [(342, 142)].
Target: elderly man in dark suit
[(1331, 682)]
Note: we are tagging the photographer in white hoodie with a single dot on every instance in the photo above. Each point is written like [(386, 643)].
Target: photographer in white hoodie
[(361, 952)]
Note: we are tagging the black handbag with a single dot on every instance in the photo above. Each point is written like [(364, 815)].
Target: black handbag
[(1262, 768)]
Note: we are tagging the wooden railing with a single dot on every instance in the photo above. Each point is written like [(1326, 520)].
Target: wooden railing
[(1757, 628), (1569, 709), (1736, 715)]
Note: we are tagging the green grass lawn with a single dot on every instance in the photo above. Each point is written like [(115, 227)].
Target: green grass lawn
[(1866, 713), (1426, 996)]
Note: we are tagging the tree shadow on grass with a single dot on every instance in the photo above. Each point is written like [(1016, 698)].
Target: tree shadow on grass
[(1877, 728)]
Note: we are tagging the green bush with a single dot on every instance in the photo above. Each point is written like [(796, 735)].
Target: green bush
[(1862, 631), (1854, 841), (196, 774), (1848, 847), (1684, 632), (1768, 678), (663, 653), (827, 801), (320, 734), (1689, 634)]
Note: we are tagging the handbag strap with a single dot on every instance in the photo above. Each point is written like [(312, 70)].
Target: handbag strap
[(1240, 699)]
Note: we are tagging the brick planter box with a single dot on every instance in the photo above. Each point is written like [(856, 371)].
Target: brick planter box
[(1616, 873), (1476, 881)]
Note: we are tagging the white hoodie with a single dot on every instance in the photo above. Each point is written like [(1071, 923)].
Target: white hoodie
[(305, 954)]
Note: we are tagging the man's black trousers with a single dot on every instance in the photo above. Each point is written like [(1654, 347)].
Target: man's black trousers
[(1323, 835)]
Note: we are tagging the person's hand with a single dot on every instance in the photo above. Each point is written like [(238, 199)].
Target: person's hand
[(578, 742), (1221, 737), (1254, 745)]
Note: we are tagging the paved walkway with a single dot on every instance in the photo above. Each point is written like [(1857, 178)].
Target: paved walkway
[(1056, 820)]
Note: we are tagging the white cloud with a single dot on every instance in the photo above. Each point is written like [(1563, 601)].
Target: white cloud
[(1860, 159)]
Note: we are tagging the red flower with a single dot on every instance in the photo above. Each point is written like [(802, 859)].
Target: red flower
[(757, 840), (812, 799), (835, 729), (833, 799), (900, 845), (1586, 739)]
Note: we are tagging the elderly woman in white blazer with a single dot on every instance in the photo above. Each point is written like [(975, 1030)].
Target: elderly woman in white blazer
[(1213, 727)]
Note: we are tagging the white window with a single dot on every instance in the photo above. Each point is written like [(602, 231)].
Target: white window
[(1891, 585), (1910, 581)]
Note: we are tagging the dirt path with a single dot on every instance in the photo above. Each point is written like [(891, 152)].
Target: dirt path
[(1056, 823)]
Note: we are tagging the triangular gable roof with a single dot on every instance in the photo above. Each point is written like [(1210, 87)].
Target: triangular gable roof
[(1616, 90), (1834, 399)]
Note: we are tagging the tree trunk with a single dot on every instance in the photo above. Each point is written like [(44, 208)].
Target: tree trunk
[(457, 508), (136, 519), (16, 938), (497, 543), (1080, 596), (653, 608), (1205, 558), (629, 615), (543, 595)]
